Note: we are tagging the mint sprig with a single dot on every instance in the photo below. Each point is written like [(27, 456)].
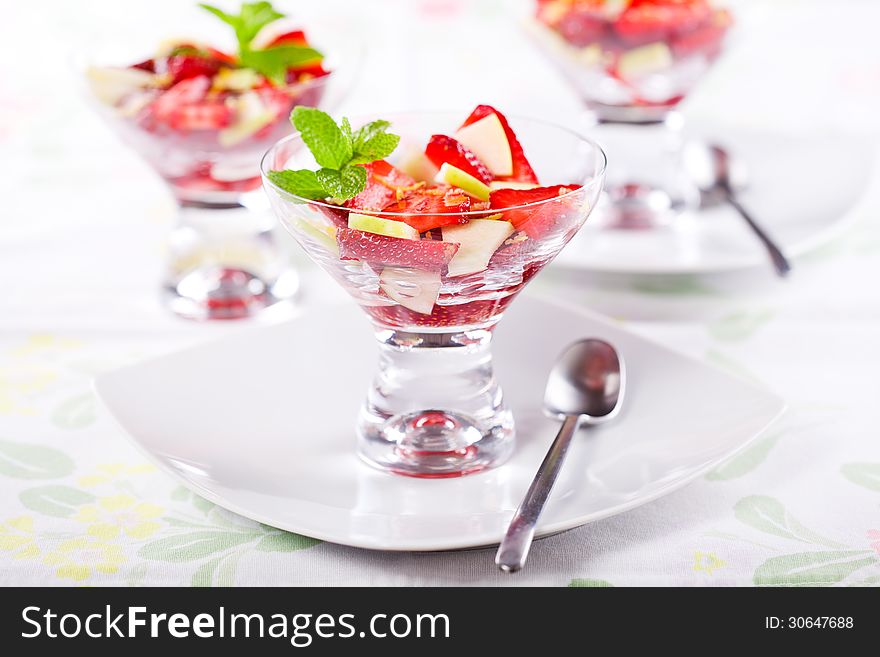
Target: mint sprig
[(271, 62), (338, 151)]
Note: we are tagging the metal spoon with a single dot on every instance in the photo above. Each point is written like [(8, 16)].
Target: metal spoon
[(710, 168), (585, 387)]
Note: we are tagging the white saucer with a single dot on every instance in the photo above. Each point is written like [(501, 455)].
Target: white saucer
[(800, 190), (262, 423)]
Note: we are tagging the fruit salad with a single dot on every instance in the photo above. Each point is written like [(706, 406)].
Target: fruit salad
[(203, 116), (625, 53), (433, 234)]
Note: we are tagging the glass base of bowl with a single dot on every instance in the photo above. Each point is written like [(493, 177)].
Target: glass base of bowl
[(647, 185), (434, 409), (225, 263)]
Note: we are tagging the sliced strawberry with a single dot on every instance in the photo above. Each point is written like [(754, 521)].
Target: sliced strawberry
[(431, 208), (383, 184), (582, 27), (184, 67), (442, 149), (386, 251), (187, 92), (306, 73), (481, 311), (706, 38), (292, 38), (203, 116), (535, 221), (148, 65), (221, 56), (522, 170), (646, 21)]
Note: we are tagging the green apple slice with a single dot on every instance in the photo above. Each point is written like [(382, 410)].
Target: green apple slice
[(487, 140), (251, 115), (388, 227), (644, 60), (466, 182), (323, 234), (411, 288), (511, 184), (477, 240), (110, 85), (416, 164)]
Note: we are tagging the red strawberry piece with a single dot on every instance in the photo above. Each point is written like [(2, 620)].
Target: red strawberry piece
[(305, 73), (220, 56), (582, 27), (442, 149), (148, 65), (380, 250), (536, 220), (645, 21), (481, 311), (184, 67), (522, 170), (706, 38), (383, 183), (431, 208), (292, 38), (203, 116), (187, 92)]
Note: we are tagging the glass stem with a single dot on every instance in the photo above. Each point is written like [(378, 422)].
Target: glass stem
[(435, 408)]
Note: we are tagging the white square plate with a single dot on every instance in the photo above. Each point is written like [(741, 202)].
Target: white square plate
[(262, 423)]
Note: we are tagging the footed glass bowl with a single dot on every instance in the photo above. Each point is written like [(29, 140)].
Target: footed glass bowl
[(435, 409)]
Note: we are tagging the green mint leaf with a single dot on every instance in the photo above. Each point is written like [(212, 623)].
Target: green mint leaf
[(253, 17), (344, 184), (222, 15), (326, 140), (368, 131), (299, 183), (274, 62), (376, 148), (346, 130)]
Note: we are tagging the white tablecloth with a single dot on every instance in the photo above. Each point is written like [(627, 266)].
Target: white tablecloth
[(81, 242)]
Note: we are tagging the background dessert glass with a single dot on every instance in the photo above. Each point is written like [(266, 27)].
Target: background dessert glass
[(434, 408), (223, 260), (632, 62)]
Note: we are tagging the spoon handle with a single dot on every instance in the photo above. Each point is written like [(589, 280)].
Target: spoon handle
[(515, 545), (780, 262)]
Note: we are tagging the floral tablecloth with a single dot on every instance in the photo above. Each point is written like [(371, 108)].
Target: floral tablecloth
[(80, 254)]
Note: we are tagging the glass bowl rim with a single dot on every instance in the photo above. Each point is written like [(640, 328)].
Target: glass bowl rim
[(302, 200)]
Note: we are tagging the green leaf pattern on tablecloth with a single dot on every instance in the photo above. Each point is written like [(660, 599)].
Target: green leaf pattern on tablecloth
[(812, 568), (739, 325), (76, 413), (58, 501), (746, 461), (589, 584), (24, 461), (768, 515), (866, 475)]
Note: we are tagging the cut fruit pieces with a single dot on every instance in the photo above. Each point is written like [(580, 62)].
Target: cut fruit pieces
[(522, 170), (411, 288), (384, 182), (251, 116), (645, 60), (393, 251), (416, 164), (379, 226), (454, 176), (426, 209), (441, 149), (477, 242), (111, 85), (487, 139), (537, 219), (323, 234)]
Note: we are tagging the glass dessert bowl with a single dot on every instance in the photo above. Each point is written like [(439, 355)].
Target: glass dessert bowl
[(434, 245), (632, 62), (202, 118)]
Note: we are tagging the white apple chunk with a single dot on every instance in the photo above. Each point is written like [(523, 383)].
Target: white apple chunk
[(110, 85), (478, 240), (417, 166), (454, 176), (251, 115), (388, 227), (487, 140), (411, 288), (644, 60)]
